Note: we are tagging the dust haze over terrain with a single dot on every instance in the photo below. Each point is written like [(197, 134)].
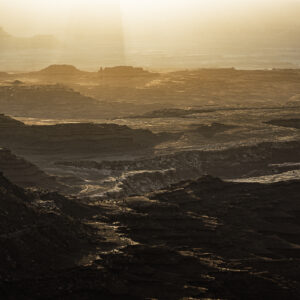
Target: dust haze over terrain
[(156, 34), (149, 149)]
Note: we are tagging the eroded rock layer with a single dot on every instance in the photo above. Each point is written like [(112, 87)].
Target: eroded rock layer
[(24, 173), (75, 138), (202, 239)]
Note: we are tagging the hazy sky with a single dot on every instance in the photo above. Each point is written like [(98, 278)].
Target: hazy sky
[(158, 24), (28, 17)]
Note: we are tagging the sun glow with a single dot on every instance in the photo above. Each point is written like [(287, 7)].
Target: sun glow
[(126, 27), (37, 16)]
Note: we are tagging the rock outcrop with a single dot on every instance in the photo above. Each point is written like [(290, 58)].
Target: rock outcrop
[(75, 138), (50, 101), (38, 233), (172, 113), (291, 123), (211, 239), (124, 72), (200, 239), (149, 174), (60, 70), (26, 174)]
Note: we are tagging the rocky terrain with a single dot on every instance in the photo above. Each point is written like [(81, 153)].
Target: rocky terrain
[(127, 177), (50, 101), (127, 91), (39, 232), (172, 113), (190, 112), (197, 239), (209, 218), (70, 75), (75, 138), (57, 101), (202, 89), (26, 174), (292, 123), (130, 184)]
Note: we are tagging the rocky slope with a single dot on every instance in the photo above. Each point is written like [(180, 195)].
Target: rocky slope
[(128, 177), (211, 239), (39, 232), (55, 101), (292, 123), (202, 239), (75, 138), (49, 101), (26, 174)]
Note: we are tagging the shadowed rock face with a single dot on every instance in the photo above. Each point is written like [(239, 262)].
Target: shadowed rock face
[(38, 232), (50, 101), (56, 101), (292, 123), (8, 123), (201, 239), (26, 174), (172, 113), (211, 239), (77, 138)]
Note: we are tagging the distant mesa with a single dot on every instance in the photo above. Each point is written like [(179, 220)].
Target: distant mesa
[(66, 72), (60, 70), (118, 71), (124, 71), (103, 73)]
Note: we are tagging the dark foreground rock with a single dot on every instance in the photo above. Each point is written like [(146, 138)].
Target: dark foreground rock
[(39, 232), (212, 239), (198, 239)]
